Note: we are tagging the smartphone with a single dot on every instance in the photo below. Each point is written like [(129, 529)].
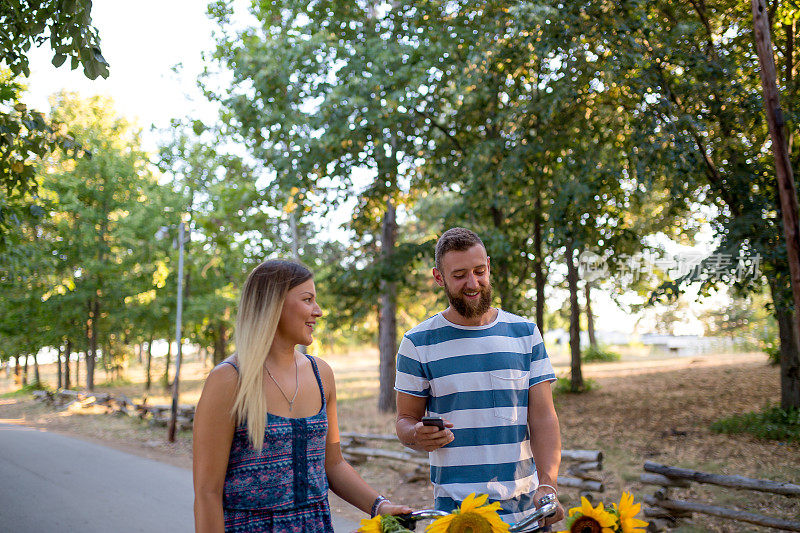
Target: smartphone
[(433, 421)]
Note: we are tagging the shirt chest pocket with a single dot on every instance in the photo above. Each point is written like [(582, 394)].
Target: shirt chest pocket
[(510, 394)]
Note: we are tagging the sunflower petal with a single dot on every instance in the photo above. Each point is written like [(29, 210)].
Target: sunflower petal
[(440, 525), (370, 525), (473, 502)]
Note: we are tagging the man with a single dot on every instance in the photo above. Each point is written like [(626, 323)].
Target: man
[(486, 373)]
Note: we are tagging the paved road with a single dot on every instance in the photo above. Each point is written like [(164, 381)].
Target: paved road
[(49, 482)]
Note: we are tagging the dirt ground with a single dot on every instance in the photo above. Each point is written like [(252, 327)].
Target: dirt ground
[(643, 409)]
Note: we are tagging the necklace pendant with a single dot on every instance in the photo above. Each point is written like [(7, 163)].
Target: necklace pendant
[(296, 387)]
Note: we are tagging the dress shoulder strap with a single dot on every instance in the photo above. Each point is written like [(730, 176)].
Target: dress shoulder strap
[(319, 378), (230, 363)]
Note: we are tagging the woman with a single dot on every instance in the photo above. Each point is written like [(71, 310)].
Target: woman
[(266, 436)]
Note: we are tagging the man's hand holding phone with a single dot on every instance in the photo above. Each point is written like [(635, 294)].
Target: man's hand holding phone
[(431, 433)]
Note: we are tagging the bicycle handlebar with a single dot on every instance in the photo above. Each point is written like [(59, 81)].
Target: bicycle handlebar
[(523, 526), (545, 511)]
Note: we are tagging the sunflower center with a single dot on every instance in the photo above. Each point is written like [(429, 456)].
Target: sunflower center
[(469, 523), (585, 524)]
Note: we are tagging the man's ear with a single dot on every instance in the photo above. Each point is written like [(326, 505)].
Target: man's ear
[(437, 276)]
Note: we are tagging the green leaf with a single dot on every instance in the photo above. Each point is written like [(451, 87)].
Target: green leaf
[(98, 56), (58, 60)]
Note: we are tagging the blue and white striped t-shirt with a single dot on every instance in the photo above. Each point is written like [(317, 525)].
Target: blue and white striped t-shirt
[(477, 377)]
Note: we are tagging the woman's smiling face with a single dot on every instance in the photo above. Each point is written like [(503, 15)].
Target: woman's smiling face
[(299, 314)]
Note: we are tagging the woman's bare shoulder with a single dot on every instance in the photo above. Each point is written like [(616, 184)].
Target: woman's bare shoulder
[(223, 379)]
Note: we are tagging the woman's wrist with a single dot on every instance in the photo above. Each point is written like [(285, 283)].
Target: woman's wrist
[(382, 504), (376, 506)]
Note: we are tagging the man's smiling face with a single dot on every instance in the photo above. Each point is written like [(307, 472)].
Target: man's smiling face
[(465, 278)]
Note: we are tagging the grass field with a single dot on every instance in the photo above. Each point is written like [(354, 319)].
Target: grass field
[(645, 408)]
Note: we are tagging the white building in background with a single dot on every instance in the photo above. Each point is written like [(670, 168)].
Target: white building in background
[(680, 345), (560, 336), (686, 345)]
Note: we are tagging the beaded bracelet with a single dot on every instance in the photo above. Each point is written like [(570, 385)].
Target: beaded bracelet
[(376, 504)]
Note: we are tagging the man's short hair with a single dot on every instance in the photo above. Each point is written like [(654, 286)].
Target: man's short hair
[(455, 239)]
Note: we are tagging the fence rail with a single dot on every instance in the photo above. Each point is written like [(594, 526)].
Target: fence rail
[(672, 478), (119, 404), (582, 471)]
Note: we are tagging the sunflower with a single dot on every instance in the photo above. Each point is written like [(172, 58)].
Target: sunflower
[(370, 525), (627, 511), (472, 516), (588, 519)]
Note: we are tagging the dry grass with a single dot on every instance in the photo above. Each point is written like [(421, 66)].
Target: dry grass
[(645, 409)]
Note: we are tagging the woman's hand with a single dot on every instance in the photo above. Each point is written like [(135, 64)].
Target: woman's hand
[(387, 507)]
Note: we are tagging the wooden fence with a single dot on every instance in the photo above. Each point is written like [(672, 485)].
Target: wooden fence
[(583, 467), (665, 511), (158, 415)]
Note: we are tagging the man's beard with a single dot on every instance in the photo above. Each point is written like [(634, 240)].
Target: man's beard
[(469, 308)]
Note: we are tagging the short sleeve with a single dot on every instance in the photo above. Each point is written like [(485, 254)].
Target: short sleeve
[(541, 367), (410, 377)]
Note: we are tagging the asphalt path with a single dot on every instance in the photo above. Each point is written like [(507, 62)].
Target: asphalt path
[(51, 482)]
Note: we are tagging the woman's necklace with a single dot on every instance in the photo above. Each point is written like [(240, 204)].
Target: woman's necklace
[(296, 387)]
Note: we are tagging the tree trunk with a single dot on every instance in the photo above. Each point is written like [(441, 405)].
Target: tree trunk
[(67, 354), (25, 372), (590, 316), (786, 188), (538, 262), (36, 377), (106, 358), (220, 343), (148, 380), (501, 279), (789, 66), (91, 353), (17, 373), (387, 316), (789, 348), (576, 382), (58, 368), (165, 376)]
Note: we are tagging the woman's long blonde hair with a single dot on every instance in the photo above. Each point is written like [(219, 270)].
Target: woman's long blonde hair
[(260, 309)]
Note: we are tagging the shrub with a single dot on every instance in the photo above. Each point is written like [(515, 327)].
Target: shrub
[(27, 389), (773, 423), (564, 386), (772, 347), (595, 354)]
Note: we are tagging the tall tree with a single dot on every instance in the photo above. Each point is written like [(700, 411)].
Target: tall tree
[(319, 128), (234, 221), (698, 72), (27, 135), (95, 198)]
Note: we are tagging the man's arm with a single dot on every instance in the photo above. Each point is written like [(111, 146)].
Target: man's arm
[(410, 430), (545, 441)]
